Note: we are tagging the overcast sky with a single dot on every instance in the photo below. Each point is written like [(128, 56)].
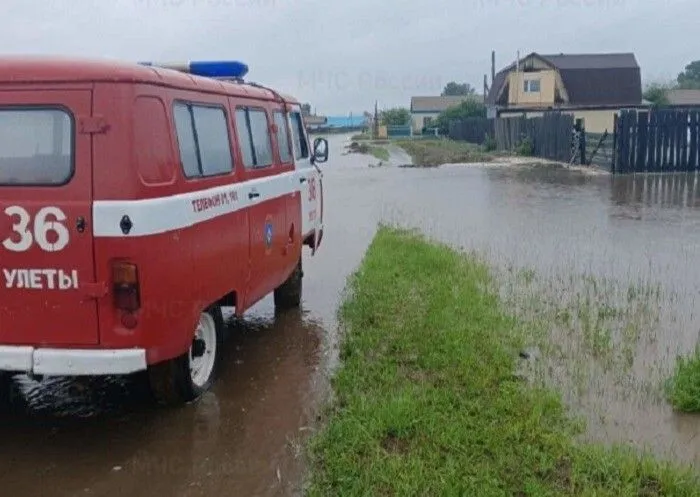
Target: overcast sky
[(340, 55)]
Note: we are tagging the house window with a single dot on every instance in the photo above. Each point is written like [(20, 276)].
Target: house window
[(532, 86), (427, 121)]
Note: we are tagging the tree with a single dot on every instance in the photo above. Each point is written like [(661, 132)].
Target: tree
[(690, 78), (468, 108), (657, 94), (398, 116), (306, 109), (458, 89)]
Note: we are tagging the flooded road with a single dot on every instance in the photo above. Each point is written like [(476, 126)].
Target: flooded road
[(243, 438)]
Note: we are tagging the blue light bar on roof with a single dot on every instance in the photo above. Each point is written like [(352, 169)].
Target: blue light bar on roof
[(210, 69)]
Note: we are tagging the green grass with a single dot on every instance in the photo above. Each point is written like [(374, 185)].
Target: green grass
[(437, 152), (683, 389), (371, 148), (427, 402), (380, 153)]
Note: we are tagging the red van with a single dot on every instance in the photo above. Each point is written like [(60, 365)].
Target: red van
[(137, 201)]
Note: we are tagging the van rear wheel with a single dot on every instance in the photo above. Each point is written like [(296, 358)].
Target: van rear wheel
[(185, 378), (288, 294)]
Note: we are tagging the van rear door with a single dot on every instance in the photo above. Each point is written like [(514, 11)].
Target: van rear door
[(48, 275)]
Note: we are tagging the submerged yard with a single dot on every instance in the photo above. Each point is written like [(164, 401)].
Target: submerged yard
[(438, 393), (432, 152)]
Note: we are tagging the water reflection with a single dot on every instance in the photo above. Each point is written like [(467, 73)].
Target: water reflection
[(105, 437), (658, 190)]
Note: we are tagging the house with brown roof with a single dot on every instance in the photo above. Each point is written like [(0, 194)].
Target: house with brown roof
[(593, 87), (424, 110)]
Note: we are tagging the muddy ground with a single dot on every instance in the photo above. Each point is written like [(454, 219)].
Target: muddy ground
[(244, 438)]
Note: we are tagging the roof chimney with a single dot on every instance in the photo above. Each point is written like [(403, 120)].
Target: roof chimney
[(493, 66)]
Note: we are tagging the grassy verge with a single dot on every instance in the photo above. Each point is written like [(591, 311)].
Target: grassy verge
[(684, 387), (373, 149), (380, 153), (437, 152), (427, 402)]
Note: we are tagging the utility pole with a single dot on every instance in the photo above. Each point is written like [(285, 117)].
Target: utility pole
[(493, 66), (486, 87), (375, 133)]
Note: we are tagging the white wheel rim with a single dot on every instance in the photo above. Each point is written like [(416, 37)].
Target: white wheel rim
[(201, 367)]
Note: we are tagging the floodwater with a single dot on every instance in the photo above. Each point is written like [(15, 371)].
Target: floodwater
[(103, 438)]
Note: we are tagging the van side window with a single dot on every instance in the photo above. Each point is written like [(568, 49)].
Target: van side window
[(203, 138), (282, 137), (254, 136), (301, 148), (186, 141), (36, 146)]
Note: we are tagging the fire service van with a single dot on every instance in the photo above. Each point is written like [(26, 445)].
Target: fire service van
[(135, 201)]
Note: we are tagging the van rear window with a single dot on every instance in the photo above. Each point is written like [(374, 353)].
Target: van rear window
[(36, 146)]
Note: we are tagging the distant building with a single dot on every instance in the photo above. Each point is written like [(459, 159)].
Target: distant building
[(425, 109), (682, 97), (312, 122), (336, 123), (349, 121), (593, 87)]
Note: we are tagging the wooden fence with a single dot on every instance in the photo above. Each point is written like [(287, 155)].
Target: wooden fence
[(549, 136), (472, 130), (663, 140), (659, 140)]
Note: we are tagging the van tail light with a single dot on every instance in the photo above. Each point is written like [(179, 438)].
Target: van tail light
[(125, 281)]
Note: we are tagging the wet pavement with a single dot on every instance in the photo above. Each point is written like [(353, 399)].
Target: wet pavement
[(104, 438)]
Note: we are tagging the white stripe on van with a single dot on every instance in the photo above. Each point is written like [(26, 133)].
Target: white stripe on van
[(160, 215)]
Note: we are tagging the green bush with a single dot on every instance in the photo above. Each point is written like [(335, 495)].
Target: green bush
[(525, 148), (465, 110), (490, 144)]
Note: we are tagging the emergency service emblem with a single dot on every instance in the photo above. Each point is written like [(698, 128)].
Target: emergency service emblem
[(268, 234)]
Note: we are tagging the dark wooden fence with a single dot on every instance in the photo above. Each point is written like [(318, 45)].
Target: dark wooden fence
[(549, 136), (659, 140), (663, 140), (472, 130)]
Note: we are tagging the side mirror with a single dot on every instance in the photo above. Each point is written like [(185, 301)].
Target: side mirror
[(320, 150)]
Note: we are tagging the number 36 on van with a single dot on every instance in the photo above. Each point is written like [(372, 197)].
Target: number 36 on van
[(129, 191)]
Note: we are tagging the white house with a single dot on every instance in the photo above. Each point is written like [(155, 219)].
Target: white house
[(425, 109)]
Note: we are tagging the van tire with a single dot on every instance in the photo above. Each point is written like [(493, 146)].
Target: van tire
[(288, 294), (173, 382), (5, 391), (8, 393)]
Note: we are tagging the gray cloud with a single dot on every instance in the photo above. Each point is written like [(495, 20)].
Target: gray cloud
[(341, 55)]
